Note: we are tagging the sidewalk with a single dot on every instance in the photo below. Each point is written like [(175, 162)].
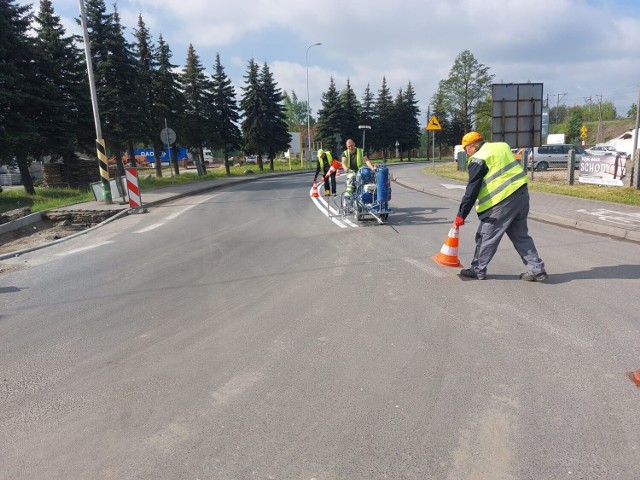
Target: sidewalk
[(612, 219)]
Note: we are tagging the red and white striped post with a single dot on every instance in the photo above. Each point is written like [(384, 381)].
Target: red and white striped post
[(133, 191)]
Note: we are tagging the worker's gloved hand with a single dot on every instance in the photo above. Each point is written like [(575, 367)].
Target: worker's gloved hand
[(315, 178), (458, 221)]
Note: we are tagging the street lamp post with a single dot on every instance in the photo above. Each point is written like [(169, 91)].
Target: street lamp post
[(306, 62), (364, 128)]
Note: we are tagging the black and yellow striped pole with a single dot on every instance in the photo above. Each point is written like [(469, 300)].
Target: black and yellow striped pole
[(100, 144), (104, 169)]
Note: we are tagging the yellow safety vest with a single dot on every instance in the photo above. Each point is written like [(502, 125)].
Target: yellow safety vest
[(329, 159), (347, 154), (504, 177)]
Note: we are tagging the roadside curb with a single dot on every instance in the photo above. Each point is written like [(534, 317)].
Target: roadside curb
[(17, 253)]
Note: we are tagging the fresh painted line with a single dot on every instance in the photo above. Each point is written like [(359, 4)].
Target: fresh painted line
[(451, 186), (330, 212)]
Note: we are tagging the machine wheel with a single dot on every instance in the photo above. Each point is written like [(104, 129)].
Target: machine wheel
[(542, 166), (384, 217)]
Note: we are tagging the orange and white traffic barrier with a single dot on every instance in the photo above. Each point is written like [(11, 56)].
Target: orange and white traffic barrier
[(133, 190), (448, 256)]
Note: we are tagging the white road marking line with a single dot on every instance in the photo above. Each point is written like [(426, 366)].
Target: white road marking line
[(84, 249), (451, 186), (189, 207), (176, 214), (331, 212), (149, 228)]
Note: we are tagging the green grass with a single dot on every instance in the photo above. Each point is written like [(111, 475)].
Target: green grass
[(44, 199), (624, 195), (47, 198), (149, 181)]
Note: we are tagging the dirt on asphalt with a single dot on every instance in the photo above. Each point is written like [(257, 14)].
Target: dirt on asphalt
[(53, 226)]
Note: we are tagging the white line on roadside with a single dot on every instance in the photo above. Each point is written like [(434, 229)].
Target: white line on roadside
[(176, 214), (149, 228), (451, 186), (84, 249), (331, 212)]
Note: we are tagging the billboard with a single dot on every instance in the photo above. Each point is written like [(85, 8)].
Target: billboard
[(296, 145), (603, 169), (516, 114)]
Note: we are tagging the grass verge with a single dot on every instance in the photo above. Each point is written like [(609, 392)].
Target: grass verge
[(547, 182), (47, 198)]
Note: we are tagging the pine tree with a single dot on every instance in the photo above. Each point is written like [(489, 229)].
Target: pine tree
[(383, 131), (19, 95), (114, 69), (126, 99), (408, 122), (367, 114), (253, 124), (329, 117), (170, 103), (197, 91), (146, 70), (225, 116), (277, 134), (66, 118), (350, 111)]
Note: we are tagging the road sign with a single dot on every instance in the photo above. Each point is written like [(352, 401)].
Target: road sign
[(168, 136), (583, 131), (433, 124)]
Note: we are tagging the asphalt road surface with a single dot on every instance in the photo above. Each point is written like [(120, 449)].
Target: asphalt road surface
[(243, 334)]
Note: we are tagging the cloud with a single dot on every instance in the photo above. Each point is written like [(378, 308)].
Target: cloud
[(578, 47)]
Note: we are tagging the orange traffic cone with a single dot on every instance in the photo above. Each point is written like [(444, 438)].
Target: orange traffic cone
[(634, 377), (448, 256), (314, 190)]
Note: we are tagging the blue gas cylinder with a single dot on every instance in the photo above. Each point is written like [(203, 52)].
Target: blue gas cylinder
[(383, 184)]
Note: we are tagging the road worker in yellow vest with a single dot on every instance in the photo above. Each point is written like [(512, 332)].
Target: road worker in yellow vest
[(325, 159), (499, 184), (353, 159)]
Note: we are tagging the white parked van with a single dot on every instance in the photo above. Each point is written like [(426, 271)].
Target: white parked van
[(555, 156)]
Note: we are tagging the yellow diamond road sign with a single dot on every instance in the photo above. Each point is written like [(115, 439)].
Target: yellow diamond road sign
[(583, 131), (433, 124)]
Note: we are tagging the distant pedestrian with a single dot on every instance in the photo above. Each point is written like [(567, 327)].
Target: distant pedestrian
[(499, 184)]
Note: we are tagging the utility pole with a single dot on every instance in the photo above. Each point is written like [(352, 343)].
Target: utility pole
[(635, 158), (599, 117), (101, 148), (588, 101), (560, 96)]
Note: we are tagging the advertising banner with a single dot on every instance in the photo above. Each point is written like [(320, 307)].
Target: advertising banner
[(603, 169)]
